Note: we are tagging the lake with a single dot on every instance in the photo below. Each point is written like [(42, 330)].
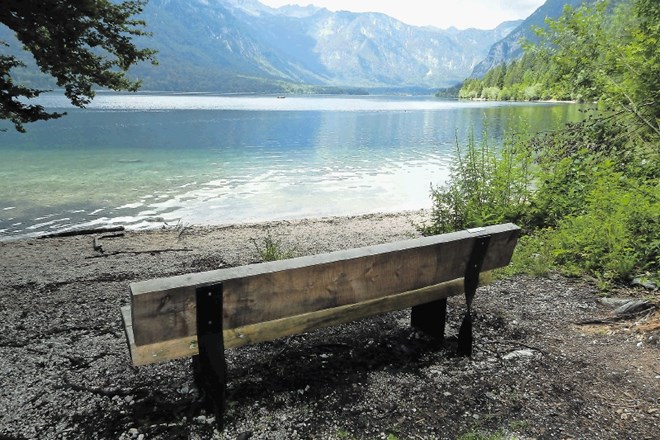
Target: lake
[(146, 160)]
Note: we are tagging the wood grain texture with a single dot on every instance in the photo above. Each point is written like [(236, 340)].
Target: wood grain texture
[(164, 309), (267, 331)]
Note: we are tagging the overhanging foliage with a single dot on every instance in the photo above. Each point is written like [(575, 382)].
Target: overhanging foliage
[(81, 43)]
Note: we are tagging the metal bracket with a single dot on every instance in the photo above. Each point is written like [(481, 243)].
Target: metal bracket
[(473, 268), (471, 282), (209, 367)]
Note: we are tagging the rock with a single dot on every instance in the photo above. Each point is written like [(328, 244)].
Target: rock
[(613, 302), (633, 306), (644, 282), (520, 354)]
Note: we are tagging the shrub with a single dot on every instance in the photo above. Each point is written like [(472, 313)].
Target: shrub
[(485, 186), (588, 205), (272, 250), (490, 93), (617, 236)]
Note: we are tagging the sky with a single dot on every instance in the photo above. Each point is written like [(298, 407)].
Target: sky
[(462, 14)]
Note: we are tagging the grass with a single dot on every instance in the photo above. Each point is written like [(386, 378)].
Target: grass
[(270, 249)]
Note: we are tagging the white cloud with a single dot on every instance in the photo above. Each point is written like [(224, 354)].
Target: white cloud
[(483, 14)]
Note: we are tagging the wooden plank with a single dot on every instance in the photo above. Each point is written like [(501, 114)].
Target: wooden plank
[(164, 309), (268, 331)]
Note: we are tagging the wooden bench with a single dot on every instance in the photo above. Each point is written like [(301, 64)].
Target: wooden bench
[(201, 314)]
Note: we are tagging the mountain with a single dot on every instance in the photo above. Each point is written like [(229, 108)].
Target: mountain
[(243, 45), (510, 47)]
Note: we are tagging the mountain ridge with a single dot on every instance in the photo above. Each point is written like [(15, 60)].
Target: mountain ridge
[(244, 41), (244, 46), (511, 46)]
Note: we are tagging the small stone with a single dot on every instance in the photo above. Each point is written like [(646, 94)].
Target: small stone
[(133, 432), (614, 302), (633, 306), (140, 437), (645, 283), (519, 354), (640, 344)]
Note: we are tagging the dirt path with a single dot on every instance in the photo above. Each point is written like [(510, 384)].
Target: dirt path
[(536, 372)]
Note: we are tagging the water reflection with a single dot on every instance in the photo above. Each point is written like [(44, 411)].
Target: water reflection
[(145, 160)]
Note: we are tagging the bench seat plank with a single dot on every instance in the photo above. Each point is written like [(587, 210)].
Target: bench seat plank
[(268, 331), (164, 309)]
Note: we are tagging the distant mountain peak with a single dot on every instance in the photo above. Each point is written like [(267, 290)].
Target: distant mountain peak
[(297, 11), (245, 46), (250, 7), (509, 47)]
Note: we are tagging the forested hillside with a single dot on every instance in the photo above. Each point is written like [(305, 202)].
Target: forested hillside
[(588, 195), (510, 47), (587, 53)]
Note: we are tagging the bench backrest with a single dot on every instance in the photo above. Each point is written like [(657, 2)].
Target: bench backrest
[(268, 300)]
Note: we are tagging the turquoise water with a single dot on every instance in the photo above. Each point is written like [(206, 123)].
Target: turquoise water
[(144, 160)]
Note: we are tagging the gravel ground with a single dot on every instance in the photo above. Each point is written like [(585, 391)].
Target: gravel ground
[(550, 361)]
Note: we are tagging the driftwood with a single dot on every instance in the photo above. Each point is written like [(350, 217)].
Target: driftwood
[(76, 232), (152, 251), (119, 235), (96, 245), (620, 317)]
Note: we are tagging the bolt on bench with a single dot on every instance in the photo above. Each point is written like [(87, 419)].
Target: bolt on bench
[(201, 314)]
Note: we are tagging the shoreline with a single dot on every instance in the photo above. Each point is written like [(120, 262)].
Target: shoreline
[(36, 260), (422, 213)]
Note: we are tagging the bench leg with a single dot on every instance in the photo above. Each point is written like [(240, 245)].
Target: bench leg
[(209, 367), (430, 318)]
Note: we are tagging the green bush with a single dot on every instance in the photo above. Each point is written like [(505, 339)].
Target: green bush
[(485, 186), (592, 196), (617, 236), (586, 205), (490, 93), (270, 249)]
